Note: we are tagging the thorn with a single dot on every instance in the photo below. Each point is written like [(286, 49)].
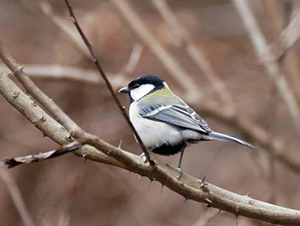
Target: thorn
[(120, 144), (33, 103), (208, 200), (21, 68), (265, 222), (15, 94), (248, 194), (203, 185), (237, 220), (139, 177), (43, 118), (185, 200), (219, 211)]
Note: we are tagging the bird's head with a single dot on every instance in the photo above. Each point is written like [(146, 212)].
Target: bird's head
[(143, 86)]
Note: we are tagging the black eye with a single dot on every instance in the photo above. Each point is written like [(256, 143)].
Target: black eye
[(136, 85)]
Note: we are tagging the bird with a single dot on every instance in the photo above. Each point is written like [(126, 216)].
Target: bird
[(164, 122)]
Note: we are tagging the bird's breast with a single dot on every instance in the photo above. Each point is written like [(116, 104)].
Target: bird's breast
[(153, 133)]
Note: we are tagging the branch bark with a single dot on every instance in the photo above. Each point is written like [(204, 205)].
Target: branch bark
[(187, 186), (35, 91)]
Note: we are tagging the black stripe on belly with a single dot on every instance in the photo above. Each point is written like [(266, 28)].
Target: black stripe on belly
[(168, 149)]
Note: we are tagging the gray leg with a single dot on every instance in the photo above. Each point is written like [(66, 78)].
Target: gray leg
[(180, 160)]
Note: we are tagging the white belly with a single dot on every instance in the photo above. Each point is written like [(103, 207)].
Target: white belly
[(153, 133)]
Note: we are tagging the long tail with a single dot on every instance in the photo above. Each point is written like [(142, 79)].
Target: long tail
[(223, 137)]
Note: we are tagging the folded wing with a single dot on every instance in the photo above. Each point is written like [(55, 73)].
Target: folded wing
[(179, 115)]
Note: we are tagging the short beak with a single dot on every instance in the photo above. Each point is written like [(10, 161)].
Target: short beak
[(123, 90)]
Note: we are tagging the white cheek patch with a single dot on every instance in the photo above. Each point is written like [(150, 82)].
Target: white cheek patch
[(141, 91)]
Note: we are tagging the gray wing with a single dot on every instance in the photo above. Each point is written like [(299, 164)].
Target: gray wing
[(178, 115)]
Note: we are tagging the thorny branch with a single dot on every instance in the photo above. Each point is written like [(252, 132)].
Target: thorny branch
[(108, 84), (187, 186)]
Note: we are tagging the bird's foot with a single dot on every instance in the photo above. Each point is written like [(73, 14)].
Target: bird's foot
[(179, 170), (144, 157)]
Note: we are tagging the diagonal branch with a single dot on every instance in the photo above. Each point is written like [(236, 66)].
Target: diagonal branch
[(288, 36), (168, 61), (287, 57), (108, 84), (267, 58), (194, 52), (31, 88), (17, 198), (62, 24), (187, 186)]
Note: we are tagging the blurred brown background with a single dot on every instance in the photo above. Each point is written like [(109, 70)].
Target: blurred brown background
[(69, 191)]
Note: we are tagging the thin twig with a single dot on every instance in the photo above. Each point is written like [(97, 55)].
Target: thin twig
[(288, 57), (288, 36), (267, 58), (108, 84), (16, 197), (62, 73), (64, 25), (133, 59), (64, 149)]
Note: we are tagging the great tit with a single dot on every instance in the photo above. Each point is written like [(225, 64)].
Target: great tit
[(165, 122)]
